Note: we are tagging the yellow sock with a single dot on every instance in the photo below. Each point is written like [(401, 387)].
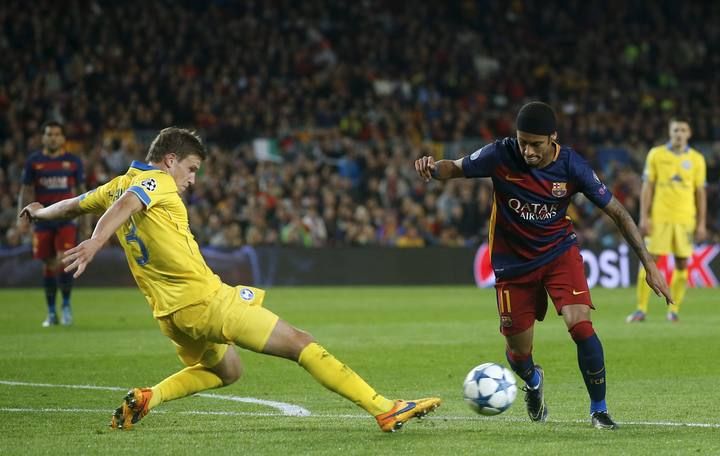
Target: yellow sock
[(339, 378), (184, 383), (643, 291), (678, 286)]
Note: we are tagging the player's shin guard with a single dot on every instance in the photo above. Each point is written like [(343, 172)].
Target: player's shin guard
[(339, 378), (643, 291), (50, 285), (678, 286), (188, 381), (524, 366), (592, 363)]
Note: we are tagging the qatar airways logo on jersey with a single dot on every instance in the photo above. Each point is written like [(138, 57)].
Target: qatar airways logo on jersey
[(533, 211), (54, 182)]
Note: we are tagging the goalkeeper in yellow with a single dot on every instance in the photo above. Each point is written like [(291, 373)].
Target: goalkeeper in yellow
[(673, 207), (201, 315)]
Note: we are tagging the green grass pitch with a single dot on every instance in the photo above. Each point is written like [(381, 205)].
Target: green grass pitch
[(406, 342)]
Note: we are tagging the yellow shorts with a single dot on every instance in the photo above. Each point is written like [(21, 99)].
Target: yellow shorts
[(671, 238), (232, 315)]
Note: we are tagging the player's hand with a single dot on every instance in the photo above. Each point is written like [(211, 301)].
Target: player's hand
[(700, 233), (80, 256), (645, 226), (425, 167), (657, 282), (29, 213)]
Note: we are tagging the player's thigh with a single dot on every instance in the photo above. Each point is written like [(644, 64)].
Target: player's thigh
[(565, 281), (660, 240), (238, 316), (191, 345), (43, 244), (519, 303), (65, 238), (682, 240)]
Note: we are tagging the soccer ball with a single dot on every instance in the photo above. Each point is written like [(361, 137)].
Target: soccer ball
[(489, 389)]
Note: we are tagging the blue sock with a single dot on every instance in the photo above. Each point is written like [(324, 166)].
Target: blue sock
[(591, 361), (50, 284), (66, 283), (524, 367)]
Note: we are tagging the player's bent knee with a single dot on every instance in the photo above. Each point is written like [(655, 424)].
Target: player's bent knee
[(230, 369)]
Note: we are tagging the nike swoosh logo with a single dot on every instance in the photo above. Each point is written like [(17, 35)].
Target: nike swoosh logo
[(512, 179), (575, 293), (409, 406)]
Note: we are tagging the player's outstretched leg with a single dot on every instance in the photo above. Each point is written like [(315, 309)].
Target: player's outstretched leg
[(291, 343)]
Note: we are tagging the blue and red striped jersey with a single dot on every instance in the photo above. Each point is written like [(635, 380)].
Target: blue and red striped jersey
[(529, 226), (53, 178)]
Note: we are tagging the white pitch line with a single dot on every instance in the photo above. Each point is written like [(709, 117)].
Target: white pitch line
[(435, 417), (286, 409), (297, 411)]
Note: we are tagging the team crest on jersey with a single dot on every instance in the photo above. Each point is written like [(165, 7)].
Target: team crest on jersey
[(149, 184), (686, 164), (559, 189), (506, 321), (247, 294)]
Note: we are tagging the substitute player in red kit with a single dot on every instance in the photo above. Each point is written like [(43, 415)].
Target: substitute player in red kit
[(534, 248), (51, 175)]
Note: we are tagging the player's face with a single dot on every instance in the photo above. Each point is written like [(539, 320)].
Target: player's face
[(183, 171), (53, 139), (537, 150), (679, 134)]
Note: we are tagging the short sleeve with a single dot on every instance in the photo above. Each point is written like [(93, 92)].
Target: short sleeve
[(482, 162), (588, 182), (98, 200), (153, 188), (650, 171)]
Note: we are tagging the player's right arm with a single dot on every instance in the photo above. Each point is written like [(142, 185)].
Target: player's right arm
[(62, 210), (116, 216), (428, 168)]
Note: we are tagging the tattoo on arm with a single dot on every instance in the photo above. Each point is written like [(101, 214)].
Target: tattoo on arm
[(629, 230)]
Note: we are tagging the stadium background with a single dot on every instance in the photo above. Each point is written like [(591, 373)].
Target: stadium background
[(315, 111)]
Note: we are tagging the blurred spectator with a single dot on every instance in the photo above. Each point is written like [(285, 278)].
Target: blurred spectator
[(343, 113)]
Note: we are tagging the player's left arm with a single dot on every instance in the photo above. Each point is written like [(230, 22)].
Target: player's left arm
[(80, 256), (631, 233)]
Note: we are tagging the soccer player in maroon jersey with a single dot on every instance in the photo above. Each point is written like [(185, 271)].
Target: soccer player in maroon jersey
[(51, 175), (534, 248)]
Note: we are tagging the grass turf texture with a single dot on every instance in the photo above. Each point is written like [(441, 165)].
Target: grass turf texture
[(407, 342)]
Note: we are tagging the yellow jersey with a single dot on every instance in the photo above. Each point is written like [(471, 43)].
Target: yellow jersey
[(161, 251), (676, 177)]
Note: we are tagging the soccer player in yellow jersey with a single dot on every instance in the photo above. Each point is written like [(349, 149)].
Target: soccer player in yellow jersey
[(673, 207), (199, 313)]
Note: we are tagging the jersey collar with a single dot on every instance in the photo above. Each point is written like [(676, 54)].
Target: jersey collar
[(668, 145), (141, 166)]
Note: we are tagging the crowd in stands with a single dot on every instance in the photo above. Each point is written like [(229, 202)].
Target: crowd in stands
[(314, 111)]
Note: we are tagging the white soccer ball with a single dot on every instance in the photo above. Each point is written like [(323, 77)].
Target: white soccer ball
[(489, 389)]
